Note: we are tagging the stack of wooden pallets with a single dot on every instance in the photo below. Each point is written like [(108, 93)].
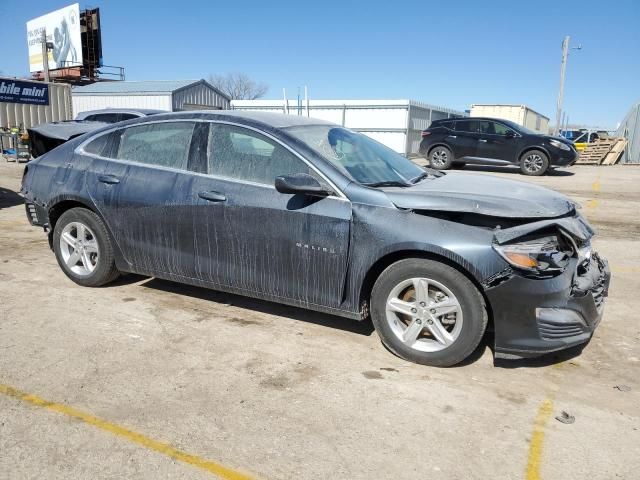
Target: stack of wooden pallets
[(603, 152)]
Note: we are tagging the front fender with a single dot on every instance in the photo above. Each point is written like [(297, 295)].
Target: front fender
[(381, 233)]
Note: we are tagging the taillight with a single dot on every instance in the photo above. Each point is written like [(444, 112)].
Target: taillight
[(24, 177), (425, 133)]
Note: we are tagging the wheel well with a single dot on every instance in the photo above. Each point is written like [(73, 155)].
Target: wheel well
[(58, 209), (382, 263)]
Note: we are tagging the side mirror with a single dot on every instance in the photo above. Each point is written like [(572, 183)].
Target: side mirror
[(300, 183), (510, 134)]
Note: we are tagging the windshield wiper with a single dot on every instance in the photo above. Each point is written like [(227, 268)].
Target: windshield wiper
[(428, 172), (422, 176), (387, 183)]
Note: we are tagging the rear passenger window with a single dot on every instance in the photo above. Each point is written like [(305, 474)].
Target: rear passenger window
[(467, 126), (242, 154), (163, 144), (97, 146)]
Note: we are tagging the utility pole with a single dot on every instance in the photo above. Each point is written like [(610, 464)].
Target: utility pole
[(563, 70), (45, 55)]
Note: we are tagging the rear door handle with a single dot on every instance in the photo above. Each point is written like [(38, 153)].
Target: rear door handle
[(482, 140), (452, 136), (212, 196), (108, 179)]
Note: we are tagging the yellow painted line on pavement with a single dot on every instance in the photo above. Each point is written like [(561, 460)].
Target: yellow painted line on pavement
[(537, 440), (595, 186), (593, 203), (122, 432)]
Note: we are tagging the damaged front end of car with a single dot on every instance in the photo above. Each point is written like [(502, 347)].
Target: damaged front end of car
[(551, 295)]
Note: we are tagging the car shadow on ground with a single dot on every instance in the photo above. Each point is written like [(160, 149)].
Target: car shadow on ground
[(512, 170), (9, 198), (544, 360), (364, 327), (331, 321)]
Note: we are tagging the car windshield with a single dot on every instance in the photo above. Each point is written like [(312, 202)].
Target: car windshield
[(518, 128), (360, 157)]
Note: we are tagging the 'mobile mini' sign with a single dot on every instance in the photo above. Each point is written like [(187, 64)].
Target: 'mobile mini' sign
[(15, 91)]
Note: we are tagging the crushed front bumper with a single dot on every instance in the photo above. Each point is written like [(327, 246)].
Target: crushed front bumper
[(537, 316)]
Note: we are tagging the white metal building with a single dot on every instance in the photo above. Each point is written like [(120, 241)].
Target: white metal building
[(13, 113), (171, 95), (395, 123), (520, 114)]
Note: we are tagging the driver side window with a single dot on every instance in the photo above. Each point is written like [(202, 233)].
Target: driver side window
[(241, 154)]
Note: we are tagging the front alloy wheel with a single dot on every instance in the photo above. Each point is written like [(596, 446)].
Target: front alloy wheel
[(534, 163), (428, 312), (424, 314)]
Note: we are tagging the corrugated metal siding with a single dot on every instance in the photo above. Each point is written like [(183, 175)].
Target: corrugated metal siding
[(59, 109), (135, 87), (83, 103), (200, 95), (630, 129)]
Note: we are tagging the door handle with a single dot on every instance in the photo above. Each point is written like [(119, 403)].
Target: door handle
[(108, 179), (452, 136), (482, 140), (212, 196)]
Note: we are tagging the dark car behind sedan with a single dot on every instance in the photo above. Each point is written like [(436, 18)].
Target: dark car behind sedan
[(304, 212), (489, 141)]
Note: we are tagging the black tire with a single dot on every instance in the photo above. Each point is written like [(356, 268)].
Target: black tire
[(474, 312), (440, 158), (534, 163), (105, 270)]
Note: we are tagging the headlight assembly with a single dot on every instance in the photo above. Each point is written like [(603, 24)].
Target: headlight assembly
[(558, 144), (539, 255)]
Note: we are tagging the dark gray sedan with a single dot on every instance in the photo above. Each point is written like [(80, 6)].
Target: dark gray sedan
[(304, 212)]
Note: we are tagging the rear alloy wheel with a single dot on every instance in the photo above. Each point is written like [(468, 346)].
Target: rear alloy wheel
[(83, 248), (428, 312), (440, 158), (534, 162)]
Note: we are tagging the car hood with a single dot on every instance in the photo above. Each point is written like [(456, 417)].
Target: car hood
[(481, 194)]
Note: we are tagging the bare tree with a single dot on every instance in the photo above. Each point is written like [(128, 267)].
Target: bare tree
[(239, 86)]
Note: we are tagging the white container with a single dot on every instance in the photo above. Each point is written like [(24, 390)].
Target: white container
[(27, 115), (520, 114)]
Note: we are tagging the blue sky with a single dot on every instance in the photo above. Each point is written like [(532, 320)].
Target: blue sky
[(450, 53)]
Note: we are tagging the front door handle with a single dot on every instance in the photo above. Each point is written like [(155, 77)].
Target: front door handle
[(482, 140), (108, 179), (212, 196), (452, 136)]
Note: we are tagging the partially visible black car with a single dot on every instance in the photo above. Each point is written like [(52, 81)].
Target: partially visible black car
[(115, 115), (489, 141), (47, 136)]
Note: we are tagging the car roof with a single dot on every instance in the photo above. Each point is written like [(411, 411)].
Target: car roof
[(271, 119), (443, 120), (141, 111)]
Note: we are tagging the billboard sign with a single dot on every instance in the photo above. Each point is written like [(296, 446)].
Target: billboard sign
[(62, 28), (15, 91)]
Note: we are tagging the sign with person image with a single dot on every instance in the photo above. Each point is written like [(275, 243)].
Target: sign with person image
[(62, 29)]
